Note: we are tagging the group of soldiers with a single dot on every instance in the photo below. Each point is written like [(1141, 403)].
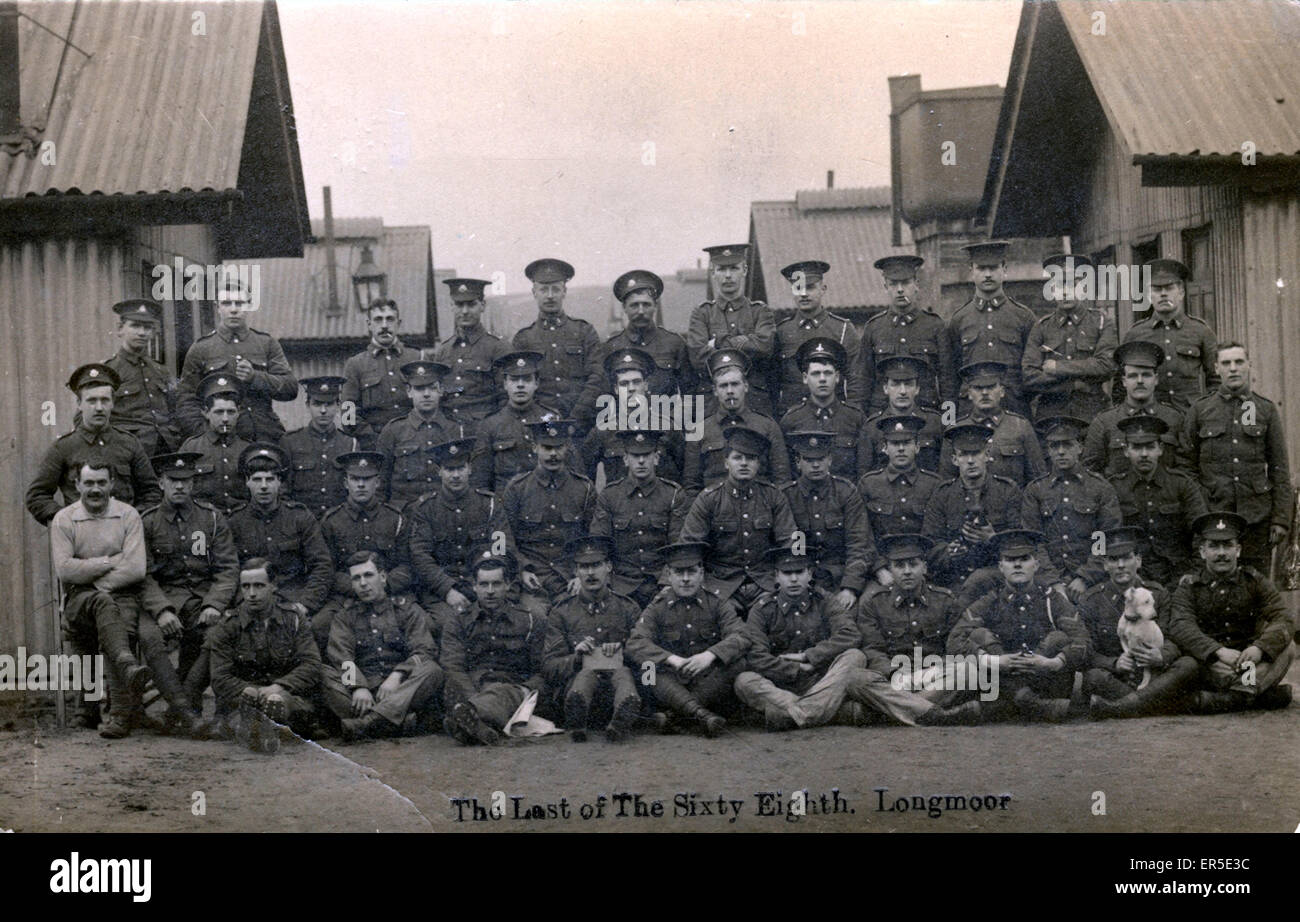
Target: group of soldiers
[(431, 550)]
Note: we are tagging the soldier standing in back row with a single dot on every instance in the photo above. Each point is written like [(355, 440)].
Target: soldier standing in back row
[(906, 329), (991, 326), (1069, 355), (314, 481), (1188, 343), (473, 393), (810, 320), (371, 379), (144, 402), (569, 347)]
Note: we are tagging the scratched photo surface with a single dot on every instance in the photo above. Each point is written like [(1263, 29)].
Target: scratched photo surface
[(610, 416)]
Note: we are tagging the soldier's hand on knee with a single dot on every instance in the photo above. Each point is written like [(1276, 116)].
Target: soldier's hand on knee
[(1251, 654), (362, 701), (456, 600), (698, 663), (388, 687), (610, 648), (1276, 534), (1227, 656), (170, 625), (530, 581), (209, 616)]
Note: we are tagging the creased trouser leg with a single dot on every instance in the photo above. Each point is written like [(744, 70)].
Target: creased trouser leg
[(818, 704), (417, 692), (869, 687)]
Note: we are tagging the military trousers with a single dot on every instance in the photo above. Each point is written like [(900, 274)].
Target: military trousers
[(813, 707), (1219, 676), (710, 690), (420, 691)]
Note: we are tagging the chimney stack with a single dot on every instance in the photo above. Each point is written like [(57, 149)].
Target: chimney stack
[(830, 179), (10, 94), (332, 306)]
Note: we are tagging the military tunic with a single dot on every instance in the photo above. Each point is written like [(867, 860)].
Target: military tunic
[(918, 333), (546, 511), (445, 530), (1164, 506), (217, 479), (1189, 346), (739, 522), (376, 388), (1082, 343), (481, 648), (1019, 618), (793, 332), (893, 622), (995, 498), (275, 650), (749, 326), (705, 459), (993, 330), (473, 392), (134, 480), (504, 446), (608, 618), (1241, 456), (407, 444), (1100, 608), (896, 500), (1237, 611), (192, 558), (673, 372), (290, 538), (570, 348), (846, 422), (313, 479), (603, 446), (1103, 445), (377, 526), (929, 454), (673, 626), (145, 402), (834, 521), (272, 379), (810, 625), (641, 517), (1069, 508), (390, 635), (1014, 450)]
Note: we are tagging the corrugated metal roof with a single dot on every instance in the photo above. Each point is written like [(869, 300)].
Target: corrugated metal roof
[(1194, 77), (295, 291), (155, 108), (850, 238), (349, 228)]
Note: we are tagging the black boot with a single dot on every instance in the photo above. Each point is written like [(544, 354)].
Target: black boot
[(575, 717)]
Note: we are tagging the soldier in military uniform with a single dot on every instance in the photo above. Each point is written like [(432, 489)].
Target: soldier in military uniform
[(810, 320), (594, 621), (896, 495), (254, 358), (822, 362), (314, 479), (492, 653), (899, 377), (641, 513), (547, 507), (628, 371), (1236, 441), (265, 665), (1163, 503), (1035, 633), (471, 354), (1069, 355), (964, 513), (362, 522), (283, 531), (740, 518), (217, 478), (1113, 676), (1230, 618), (694, 640), (671, 372), (505, 443), (1188, 343), (1014, 448), (144, 401), (906, 329), (381, 664), (992, 326), (830, 513), (407, 442), (371, 379), (1069, 506), (907, 618), (732, 321), (803, 651), (1103, 446), (193, 568), (570, 347), (133, 477), (705, 459)]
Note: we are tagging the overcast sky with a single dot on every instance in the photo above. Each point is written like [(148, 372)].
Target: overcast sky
[(614, 135)]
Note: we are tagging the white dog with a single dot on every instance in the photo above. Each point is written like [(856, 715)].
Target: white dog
[(1137, 625)]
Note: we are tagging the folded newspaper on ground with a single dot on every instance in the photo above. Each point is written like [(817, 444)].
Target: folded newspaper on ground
[(523, 723)]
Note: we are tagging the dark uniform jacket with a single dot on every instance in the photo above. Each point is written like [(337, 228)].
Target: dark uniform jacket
[(834, 521), (896, 500), (446, 529), (993, 330), (608, 618), (672, 626), (375, 385), (1164, 507), (544, 513), (604, 446), (1101, 607), (391, 635), (217, 479), (1082, 342), (642, 517), (1069, 509), (705, 458), (997, 499), (1103, 445), (570, 348), (919, 333), (929, 454), (1021, 618), (1236, 611), (739, 522), (349, 528), (290, 538), (1242, 464), (840, 418), (272, 380), (810, 626), (796, 329), (1189, 346), (134, 481), (1014, 450), (191, 556), (481, 648), (276, 650), (749, 326), (673, 372), (504, 446), (473, 392), (145, 402), (894, 623), (313, 479), (407, 444)]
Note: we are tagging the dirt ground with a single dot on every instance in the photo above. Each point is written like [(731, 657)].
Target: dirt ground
[(1230, 773)]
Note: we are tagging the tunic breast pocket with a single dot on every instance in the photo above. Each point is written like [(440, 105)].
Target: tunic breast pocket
[(1011, 343), (126, 392), (880, 508), (1011, 451), (408, 461), (575, 357), (305, 468), (205, 469), (373, 387), (503, 445)]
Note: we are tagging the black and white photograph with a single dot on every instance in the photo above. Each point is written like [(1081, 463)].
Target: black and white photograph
[(606, 417)]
